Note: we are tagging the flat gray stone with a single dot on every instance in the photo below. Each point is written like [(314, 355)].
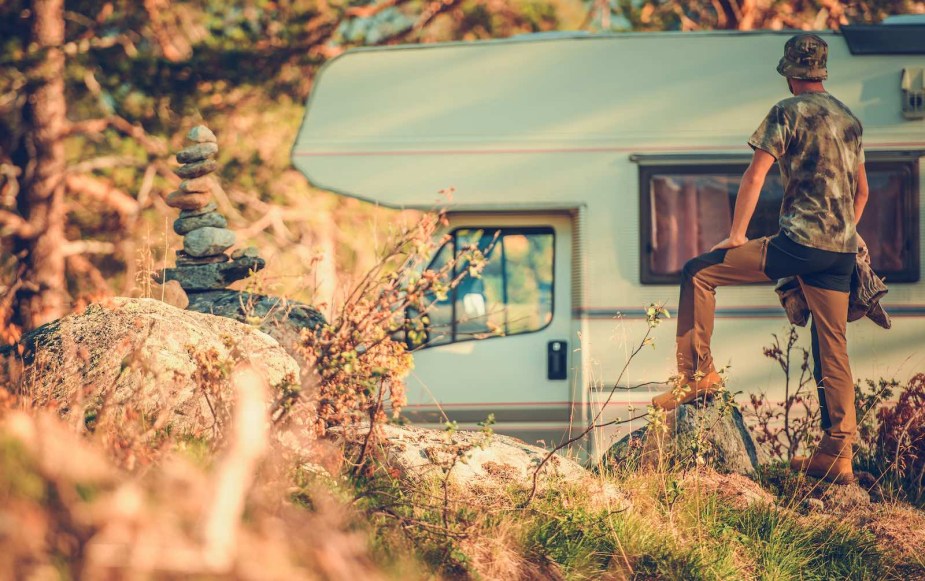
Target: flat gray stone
[(813, 505), (186, 225), (210, 207), (196, 185), (198, 152), (201, 134), (208, 241), (183, 259), (188, 201), (194, 170), (214, 276)]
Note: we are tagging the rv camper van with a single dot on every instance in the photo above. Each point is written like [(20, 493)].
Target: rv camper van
[(592, 167)]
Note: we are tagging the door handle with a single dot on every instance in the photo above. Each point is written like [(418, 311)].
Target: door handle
[(557, 360)]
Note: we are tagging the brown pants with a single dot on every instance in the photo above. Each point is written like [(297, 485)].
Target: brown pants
[(825, 278)]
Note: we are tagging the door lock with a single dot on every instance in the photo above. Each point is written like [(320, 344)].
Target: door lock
[(557, 360)]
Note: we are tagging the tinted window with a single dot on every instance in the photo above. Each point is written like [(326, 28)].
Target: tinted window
[(686, 210), (512, 295)]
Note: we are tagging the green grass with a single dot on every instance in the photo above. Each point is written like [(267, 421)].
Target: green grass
[(784, 546), (677, 530)]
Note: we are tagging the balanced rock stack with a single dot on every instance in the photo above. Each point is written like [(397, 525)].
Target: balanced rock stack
[(203, 263)]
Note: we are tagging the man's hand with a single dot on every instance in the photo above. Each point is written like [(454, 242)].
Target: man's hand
[(730, 243)]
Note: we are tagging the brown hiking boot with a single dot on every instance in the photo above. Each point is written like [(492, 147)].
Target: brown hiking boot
[(824, 466), (686, 391)]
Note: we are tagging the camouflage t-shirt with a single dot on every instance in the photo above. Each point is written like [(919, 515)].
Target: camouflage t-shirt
[(817, 143)]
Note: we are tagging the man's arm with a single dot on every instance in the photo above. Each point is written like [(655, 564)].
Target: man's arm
[(860, 197), (749, 190)]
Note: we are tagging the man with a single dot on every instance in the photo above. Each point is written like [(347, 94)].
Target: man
[(816, 142)]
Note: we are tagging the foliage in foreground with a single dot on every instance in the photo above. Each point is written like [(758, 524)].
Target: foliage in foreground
[(689, 533), (893, 447)]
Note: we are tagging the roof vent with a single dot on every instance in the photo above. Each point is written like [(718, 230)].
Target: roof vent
[(902, 19), (897, 35)]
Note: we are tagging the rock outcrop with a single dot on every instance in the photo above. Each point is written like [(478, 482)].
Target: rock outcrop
[(282, 319), (145, 355), (711, 432), (483, 464), (203, 264)]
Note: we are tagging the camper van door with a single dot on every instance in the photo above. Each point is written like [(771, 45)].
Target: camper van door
[(502, 343)]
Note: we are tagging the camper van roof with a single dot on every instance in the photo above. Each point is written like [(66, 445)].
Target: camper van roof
[(521, 122)]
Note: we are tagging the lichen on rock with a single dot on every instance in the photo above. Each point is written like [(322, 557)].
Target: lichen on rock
[(146, 355)]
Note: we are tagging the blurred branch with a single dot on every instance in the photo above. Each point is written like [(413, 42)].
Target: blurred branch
[(147, 184), (167, 39), (152, 145), (236, 471), (80, 266), (105, 162), (12, 224), (74, 247), (371, 9), (224, 203), (102, 192), (433, 10)]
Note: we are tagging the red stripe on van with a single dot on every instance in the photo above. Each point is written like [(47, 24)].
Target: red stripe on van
[(635, 149)]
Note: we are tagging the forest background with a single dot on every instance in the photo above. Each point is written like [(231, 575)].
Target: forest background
[(96, 97)]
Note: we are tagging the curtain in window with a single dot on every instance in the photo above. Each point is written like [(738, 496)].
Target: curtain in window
[(882, 225), (689, 215)]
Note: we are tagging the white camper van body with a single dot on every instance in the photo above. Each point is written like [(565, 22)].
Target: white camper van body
[(563, 135)]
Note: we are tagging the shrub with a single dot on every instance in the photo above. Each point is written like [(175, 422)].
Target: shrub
[(787, 426), (899, 449), (363, 355)]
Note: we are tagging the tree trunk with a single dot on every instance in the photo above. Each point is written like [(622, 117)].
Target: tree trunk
[(43, 294)]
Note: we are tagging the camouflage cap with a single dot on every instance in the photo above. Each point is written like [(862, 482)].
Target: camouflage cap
[(804, 58)]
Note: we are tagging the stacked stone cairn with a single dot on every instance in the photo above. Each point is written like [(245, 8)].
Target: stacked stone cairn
[(203, 264)]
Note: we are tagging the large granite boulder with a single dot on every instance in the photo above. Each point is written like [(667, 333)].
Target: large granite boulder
[(702, 432), (145, 355)]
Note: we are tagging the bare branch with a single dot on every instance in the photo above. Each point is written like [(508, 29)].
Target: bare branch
[(81, 266), (15, 225), (74, 247), (105, 162), (370, 10), (103, 192), (147, 184), (174, 46), (433, 10), (152, 145)]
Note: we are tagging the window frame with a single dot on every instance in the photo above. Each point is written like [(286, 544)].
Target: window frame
[(452, 297), (694, 164)]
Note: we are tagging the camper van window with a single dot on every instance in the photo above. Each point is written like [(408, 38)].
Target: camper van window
[(512, 295), (687, 209), (440, 316)]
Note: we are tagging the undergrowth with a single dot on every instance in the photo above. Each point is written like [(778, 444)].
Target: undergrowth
[(567, 534)]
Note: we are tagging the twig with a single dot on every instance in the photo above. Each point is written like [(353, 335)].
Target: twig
[(591, 425), (372, 426)]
